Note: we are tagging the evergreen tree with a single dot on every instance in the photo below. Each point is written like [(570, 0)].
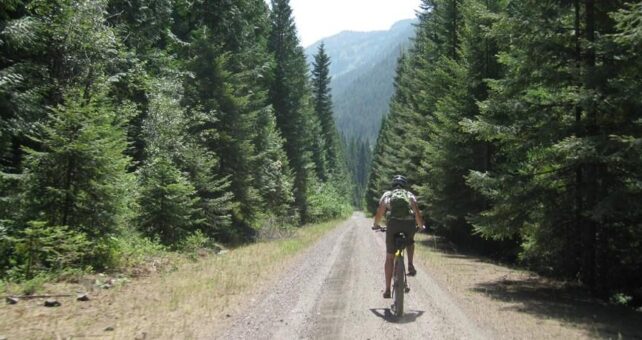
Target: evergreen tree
[(274, 178), (360, 158), (289, 97), (450, 153), (560, 167), (46, 48), (230, 67), (179, 136), (78, 179), (168, 202), (323, 108)]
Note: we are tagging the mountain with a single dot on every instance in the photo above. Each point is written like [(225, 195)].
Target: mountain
[(363, 68)]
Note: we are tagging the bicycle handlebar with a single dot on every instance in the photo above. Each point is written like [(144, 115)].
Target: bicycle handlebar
[(380, 228)]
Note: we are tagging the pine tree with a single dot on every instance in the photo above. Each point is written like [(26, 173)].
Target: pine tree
[(274, 178), (323, 109), (168, 202), (178, 135), (78, 179), (450, 153), (46, 48), (289, 96), (230, 65), (558, 175)]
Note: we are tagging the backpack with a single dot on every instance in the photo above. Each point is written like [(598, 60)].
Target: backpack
[(400, 207)]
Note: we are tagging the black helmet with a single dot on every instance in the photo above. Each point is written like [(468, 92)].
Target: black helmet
[(399, 181)]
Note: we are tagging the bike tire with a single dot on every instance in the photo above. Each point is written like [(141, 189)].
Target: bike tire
[(399, 286)]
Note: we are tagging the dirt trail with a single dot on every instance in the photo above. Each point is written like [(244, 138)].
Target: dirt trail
[(333, 291)]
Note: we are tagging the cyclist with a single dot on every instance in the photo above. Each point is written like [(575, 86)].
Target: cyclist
[(403, 216)]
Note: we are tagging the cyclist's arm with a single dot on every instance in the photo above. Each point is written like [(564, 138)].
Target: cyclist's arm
[(419, 220), (379, 215)]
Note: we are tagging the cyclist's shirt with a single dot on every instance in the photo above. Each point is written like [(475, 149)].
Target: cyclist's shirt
[(385, 199), (395, 226)]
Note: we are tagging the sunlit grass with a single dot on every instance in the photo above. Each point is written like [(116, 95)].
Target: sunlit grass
[(184, 303)]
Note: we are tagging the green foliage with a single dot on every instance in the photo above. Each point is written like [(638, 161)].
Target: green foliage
[(168, 202), (39, 248), (517, 122), (78, 179), (621, 299), (194, 242), (180, 121), (131, 249), (358, 156), (326, 202), (289, 97), (34, 284), (274, 178)]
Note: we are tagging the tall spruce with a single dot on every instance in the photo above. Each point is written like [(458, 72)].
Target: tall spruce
[(289, 95), (450, 152), (323, 108), (78, 179), (170, 208), (559, 165)]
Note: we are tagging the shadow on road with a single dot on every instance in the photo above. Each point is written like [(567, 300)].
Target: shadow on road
[(408, 316), (567, 304), (543, 298)]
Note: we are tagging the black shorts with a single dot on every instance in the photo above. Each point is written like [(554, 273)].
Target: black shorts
[(396, 226)]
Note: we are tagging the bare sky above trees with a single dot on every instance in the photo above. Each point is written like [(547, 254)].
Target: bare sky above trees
[(317, 19)]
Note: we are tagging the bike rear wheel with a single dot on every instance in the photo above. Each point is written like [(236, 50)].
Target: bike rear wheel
[(398, 286)]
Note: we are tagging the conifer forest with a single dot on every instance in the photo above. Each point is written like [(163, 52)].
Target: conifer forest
[(136, 124), (519, 124), (170, 122)]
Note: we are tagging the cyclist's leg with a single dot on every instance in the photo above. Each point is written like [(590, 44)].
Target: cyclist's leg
[(391, 229), (388, 273), (409, 228)]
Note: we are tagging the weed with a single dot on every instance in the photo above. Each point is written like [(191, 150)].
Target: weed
[(193, 243), (35, 284), (621, 299)]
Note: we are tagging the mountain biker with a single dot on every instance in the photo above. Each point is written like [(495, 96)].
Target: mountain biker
[(406, 219)]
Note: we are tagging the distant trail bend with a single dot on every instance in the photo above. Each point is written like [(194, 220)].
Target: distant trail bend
[(333, 291)]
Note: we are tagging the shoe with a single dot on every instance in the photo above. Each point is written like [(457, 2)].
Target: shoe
[(412, 271), (386, 294)]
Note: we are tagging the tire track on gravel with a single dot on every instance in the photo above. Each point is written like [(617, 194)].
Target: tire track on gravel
[(274, 317)]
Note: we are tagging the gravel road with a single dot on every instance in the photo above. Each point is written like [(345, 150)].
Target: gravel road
[(333, 291)]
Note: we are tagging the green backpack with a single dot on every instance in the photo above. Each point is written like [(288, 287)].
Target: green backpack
[(400, 206)]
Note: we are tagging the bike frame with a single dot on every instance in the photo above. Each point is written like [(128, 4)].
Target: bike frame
[(400, 283)]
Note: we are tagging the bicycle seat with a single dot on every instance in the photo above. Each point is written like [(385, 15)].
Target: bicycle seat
[(400, 240)]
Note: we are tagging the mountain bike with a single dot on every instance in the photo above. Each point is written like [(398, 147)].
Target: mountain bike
[(399, 279)]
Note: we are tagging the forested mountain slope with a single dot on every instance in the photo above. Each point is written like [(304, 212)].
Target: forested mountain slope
[(362, 70)]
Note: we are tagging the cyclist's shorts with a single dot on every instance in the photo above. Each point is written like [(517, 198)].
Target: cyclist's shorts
[(397, 226)]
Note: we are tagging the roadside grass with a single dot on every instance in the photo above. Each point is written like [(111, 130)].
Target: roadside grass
[(186, 302)]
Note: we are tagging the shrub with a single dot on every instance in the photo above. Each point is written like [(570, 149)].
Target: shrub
[(326, 202), (131, 249), (41, 247)]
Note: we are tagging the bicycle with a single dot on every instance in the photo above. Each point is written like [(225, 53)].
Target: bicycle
[(399, 278)]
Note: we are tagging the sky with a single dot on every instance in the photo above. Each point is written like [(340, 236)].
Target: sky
[(317, 19)]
